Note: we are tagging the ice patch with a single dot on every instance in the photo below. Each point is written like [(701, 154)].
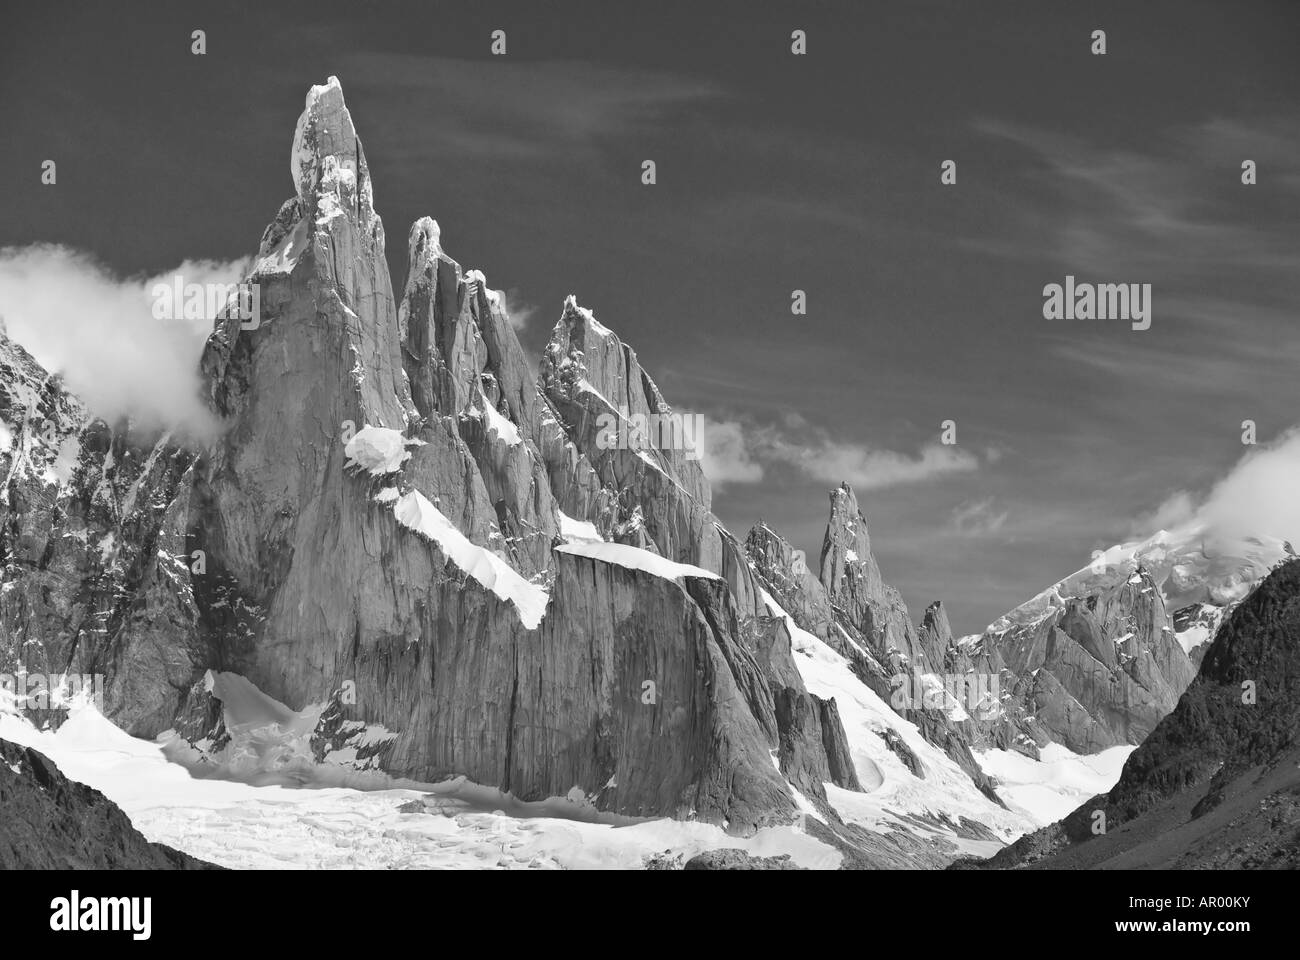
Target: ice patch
[(423, 255), (634, 558), (60, 470), (1048, 789), (415, 512), (1193, 637), (499, 425), (378, 450), (572, 529)]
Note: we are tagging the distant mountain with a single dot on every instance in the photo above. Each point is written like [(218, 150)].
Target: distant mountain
[(1101, 656), (849, 607), (1217, 784), (1195, 569)]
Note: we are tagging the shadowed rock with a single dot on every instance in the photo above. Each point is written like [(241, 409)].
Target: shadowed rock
[(53, 823)]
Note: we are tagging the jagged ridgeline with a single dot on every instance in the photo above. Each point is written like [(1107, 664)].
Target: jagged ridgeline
[(501, 597), (436, 564)]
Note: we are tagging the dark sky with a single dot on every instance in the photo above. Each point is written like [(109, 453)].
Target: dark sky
[(775, 172)]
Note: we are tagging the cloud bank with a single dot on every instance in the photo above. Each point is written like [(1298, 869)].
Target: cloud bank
[(735, 452), (1259, 496), (725, 456), (99, 332)]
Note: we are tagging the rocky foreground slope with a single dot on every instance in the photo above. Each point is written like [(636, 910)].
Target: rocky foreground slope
[(1217, 783), (53, 823)]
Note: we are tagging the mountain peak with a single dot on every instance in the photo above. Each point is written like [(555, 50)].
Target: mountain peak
[(846, 543), (425, 241), (324, 128), (327, 163)]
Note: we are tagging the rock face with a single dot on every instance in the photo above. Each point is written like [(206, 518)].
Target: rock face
[(852, 581), (850, 607), (1100, 658), (656, 497), (737, 860), (1215, 785), (53, 823), (553, 670), (377, 540), (94, 563)]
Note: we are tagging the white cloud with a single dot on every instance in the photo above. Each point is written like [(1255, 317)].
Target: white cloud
[(724, 455), (99, 332), (1259, 496), (978, 518), (1177, 510), (517, 311), (864, 467), (737, 453)]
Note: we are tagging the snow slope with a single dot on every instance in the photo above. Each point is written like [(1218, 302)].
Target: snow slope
[(1189, 564), (373, 823), (895, 798), (415, 512), (634, 558), (1047, 790), (572, 529)]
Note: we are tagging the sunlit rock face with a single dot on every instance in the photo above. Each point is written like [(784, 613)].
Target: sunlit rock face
[(376, 543)]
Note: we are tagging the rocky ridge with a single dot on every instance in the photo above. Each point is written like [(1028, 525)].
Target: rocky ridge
[(1215, 785), (53, 823), (431, 594)]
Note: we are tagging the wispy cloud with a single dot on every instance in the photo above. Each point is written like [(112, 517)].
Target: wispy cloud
[(99, 332), (978, 518), (866, 468), (744, 449), (517, 309), (1257, 497), (1168, 214), (1223, 260), (533, 110), (726, 457)]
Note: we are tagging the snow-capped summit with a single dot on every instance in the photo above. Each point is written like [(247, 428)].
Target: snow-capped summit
[(1191, 566)]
